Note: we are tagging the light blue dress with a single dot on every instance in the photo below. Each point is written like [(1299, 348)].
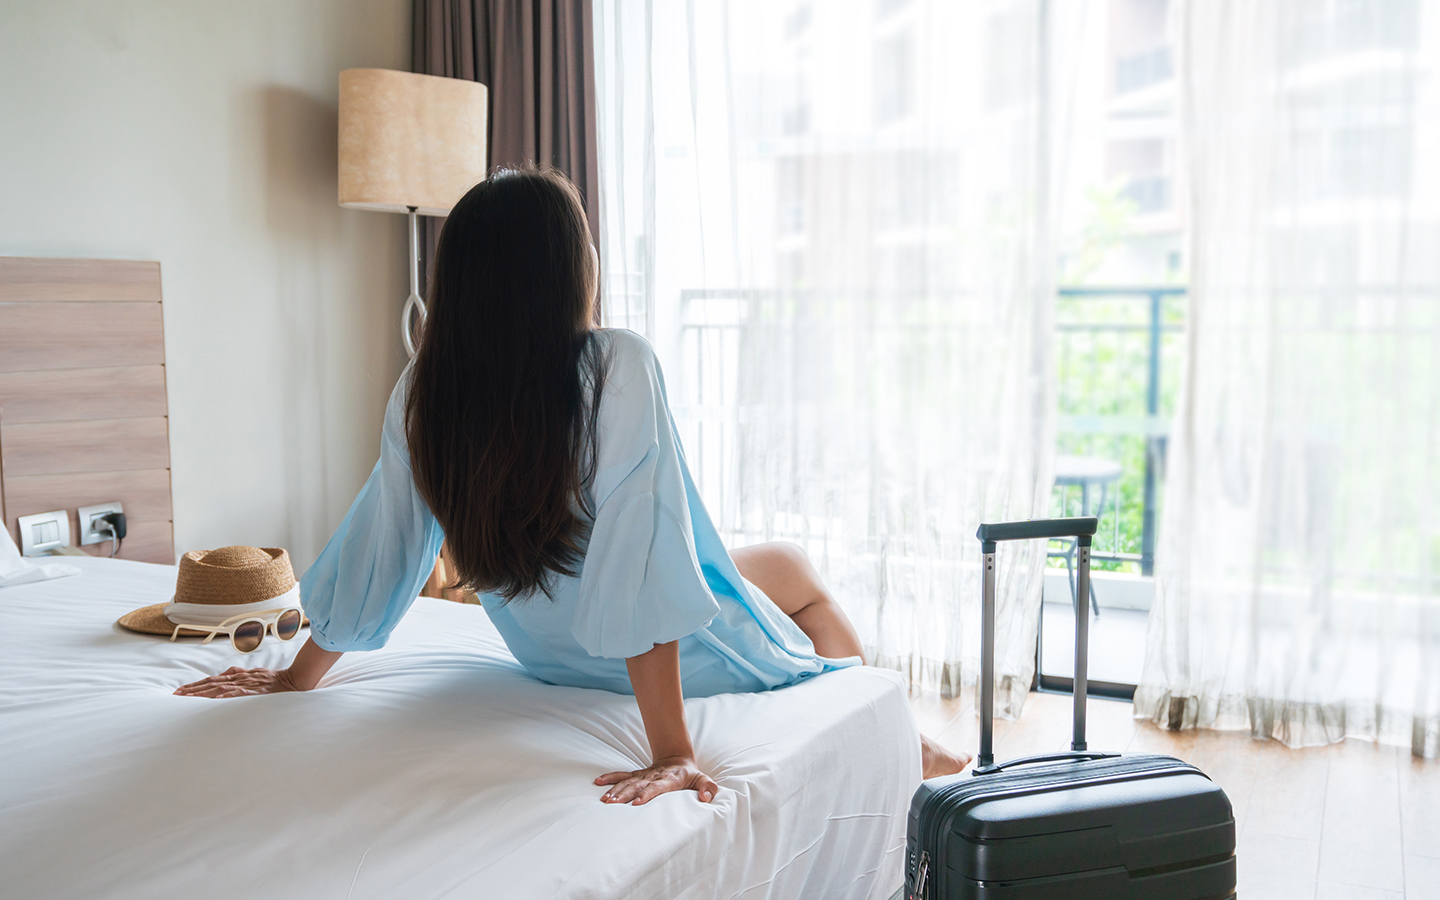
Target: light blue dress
[(655, 569)]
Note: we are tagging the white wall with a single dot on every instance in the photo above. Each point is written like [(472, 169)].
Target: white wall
[(201, 133)]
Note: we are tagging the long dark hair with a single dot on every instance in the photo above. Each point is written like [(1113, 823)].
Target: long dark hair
[(501, 414)]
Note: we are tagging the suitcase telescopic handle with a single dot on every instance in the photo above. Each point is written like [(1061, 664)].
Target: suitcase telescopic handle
[(1048, 757), (1082, 528)]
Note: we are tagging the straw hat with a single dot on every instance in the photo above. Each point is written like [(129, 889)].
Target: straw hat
[(229, 576)]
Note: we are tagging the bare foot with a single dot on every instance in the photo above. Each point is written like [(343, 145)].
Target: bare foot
[(935, 760)]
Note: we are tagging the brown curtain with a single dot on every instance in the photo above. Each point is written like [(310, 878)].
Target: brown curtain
[(537, 57)]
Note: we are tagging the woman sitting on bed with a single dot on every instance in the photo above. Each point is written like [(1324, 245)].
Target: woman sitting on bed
[(541, 451)]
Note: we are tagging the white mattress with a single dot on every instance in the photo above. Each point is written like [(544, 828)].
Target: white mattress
[(433, 768)]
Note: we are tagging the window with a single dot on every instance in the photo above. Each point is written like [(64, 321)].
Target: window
[(894, 78)]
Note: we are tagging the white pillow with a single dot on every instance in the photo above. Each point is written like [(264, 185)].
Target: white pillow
[(16, 569)]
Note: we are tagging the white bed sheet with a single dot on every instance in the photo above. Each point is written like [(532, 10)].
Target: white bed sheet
[(435, 767)]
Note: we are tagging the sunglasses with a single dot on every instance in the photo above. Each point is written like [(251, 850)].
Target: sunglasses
[(247, 631)]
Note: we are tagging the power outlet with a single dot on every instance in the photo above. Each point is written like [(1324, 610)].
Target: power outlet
[(44, 531), (90, 516)]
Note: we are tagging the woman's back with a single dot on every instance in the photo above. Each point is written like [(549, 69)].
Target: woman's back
[(654, 568)]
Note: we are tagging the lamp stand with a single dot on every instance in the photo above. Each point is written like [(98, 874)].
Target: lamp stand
[(413, 302)]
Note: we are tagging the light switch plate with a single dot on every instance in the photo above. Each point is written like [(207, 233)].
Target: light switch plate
[(44, 531), (89, 515)]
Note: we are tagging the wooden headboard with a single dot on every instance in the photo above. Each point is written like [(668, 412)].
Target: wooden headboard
[(83, 417)]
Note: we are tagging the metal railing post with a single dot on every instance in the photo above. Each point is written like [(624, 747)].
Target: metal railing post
[(1152, 448)]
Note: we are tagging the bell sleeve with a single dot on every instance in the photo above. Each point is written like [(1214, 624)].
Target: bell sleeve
[(641, 583), (375, 565)]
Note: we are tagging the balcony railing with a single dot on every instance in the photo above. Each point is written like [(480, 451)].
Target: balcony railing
[(1116, 385), (1117, 355)]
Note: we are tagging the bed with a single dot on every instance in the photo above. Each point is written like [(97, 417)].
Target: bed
[(436, 767)]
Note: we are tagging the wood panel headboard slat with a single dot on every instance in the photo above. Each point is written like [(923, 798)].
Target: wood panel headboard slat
[(144, 541), (80, 335), (87, 445), (146, 492), (38, 279), (58, 395)]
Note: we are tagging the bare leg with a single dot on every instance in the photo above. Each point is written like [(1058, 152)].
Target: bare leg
[(440, 577), (784, 572)]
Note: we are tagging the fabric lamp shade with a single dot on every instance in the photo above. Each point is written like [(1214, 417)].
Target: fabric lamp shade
[(409, 140)]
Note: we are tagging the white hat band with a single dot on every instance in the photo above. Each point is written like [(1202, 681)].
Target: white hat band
[(215, 613)]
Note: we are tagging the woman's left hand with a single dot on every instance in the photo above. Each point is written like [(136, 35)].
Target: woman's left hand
[(674, 773)]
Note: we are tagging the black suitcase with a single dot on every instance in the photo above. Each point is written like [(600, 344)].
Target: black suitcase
[(1077, 825)]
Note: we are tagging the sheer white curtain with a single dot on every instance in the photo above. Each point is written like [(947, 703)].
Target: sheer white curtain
[(830, 219), (1298, 592)]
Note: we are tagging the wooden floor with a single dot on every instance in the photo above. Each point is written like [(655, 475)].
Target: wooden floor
[(1352, 821)]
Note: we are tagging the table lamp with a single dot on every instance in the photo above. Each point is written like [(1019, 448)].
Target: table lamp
[(409, 143)]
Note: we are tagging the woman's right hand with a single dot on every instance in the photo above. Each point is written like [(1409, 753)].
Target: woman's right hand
[(238, 682), (308, 667), (638, 788)]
